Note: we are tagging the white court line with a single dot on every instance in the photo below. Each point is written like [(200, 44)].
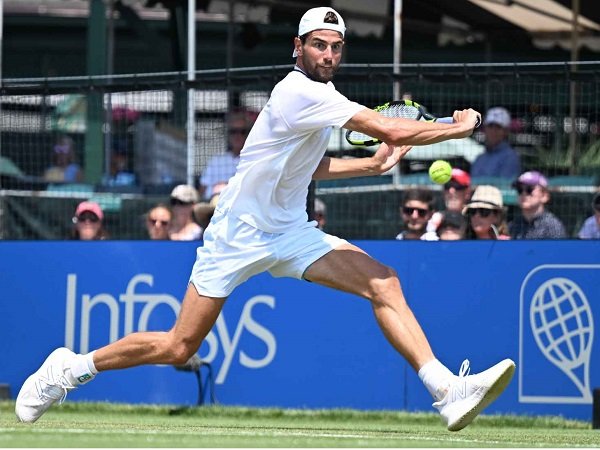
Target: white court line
[(276, 433)]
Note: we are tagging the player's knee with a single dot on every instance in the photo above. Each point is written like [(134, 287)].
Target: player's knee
[(175, 351), (181, 352), (384, 288)]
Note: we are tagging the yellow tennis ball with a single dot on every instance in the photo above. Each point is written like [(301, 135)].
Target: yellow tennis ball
[(440, 171)]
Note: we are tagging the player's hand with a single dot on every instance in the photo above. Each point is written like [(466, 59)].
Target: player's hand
[(469, 117), (387, 156)]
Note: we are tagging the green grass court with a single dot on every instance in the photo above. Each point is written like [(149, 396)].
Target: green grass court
[(116, 425)]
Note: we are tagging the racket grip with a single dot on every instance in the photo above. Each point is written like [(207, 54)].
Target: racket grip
[(451, 120)]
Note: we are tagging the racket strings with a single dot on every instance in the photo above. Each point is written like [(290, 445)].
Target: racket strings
[(395, 111)]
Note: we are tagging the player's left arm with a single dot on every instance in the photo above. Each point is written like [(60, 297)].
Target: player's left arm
[(383, 160)]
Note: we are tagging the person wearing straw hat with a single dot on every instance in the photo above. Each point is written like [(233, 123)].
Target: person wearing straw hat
[(486, 215)]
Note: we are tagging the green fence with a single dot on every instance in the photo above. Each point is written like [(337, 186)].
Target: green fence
[(141, 123)]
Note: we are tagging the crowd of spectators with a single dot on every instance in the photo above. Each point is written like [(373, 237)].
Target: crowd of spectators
[(468, 211), (483, 214)]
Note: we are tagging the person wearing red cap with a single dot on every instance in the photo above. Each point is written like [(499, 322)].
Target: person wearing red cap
[(260, 224), (457, 192), (88, 222)]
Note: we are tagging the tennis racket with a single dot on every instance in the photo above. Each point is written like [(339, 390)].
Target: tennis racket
[(406, 109)]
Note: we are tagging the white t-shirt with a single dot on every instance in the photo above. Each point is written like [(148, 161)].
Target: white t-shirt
[(282, 151), (220, 168)]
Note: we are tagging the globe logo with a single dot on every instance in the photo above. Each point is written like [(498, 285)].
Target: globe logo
[(563, 328)]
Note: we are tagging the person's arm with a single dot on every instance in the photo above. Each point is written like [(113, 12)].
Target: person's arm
[(383, 160), (397, 131)]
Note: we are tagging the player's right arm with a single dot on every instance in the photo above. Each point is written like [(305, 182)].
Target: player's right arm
[(399, 131), (383, 160)]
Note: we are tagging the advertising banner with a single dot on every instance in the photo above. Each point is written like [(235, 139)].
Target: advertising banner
[(290, 343)]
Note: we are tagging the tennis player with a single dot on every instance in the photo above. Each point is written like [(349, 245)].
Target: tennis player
[(260, 224)]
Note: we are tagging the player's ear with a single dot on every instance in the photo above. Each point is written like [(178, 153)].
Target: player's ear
[(298, 46)]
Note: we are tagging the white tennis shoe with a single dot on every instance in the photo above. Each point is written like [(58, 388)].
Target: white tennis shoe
[(468, 395), (50, 384)]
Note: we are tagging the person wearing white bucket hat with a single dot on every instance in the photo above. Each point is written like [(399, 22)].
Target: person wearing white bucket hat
[(260, 224)]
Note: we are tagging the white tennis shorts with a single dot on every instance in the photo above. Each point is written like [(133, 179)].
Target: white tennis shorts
[(233, 251)]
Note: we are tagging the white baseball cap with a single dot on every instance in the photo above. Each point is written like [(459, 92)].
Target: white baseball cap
[(499, 116), (314, 19)]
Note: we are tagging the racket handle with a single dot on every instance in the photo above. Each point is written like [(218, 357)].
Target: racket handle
[(451, 120)]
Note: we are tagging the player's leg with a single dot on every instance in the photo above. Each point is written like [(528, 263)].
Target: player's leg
[(459, 399), (197, 316), (350, 269), (63, 370)]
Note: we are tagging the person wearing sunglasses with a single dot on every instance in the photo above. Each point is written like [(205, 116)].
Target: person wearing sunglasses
[(416, 211), (591, 227), (158, 221), (183, 227), (88, 222), (535, 221), (457, 192), (485, 214), (220, 168)]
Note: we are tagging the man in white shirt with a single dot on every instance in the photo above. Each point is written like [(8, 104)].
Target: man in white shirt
[(260, 224)]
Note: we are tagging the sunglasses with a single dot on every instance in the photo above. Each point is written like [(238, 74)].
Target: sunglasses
[(409, 211), (527, 189), (483, 212), (154, 222), (86, 218), (454, 184), (177, 202)]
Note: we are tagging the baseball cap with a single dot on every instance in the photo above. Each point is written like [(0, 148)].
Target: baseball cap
[(531, 178), (314, 19), (88, 206), (185, 193), (485, 196), (461, 177), (499, 116)]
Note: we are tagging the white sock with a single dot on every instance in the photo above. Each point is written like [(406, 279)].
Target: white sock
[(83, 369), (436, 377)]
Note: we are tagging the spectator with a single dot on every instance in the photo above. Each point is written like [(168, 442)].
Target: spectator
[(499, 158), (486, 215), (183, 227), (88, 222), (220, 168), (65, 169), (452, 227), (535, 222), (591, 226), (203, 211), (416, 211), (320, 213), (120, 173), (456, 195), (158, 221)]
